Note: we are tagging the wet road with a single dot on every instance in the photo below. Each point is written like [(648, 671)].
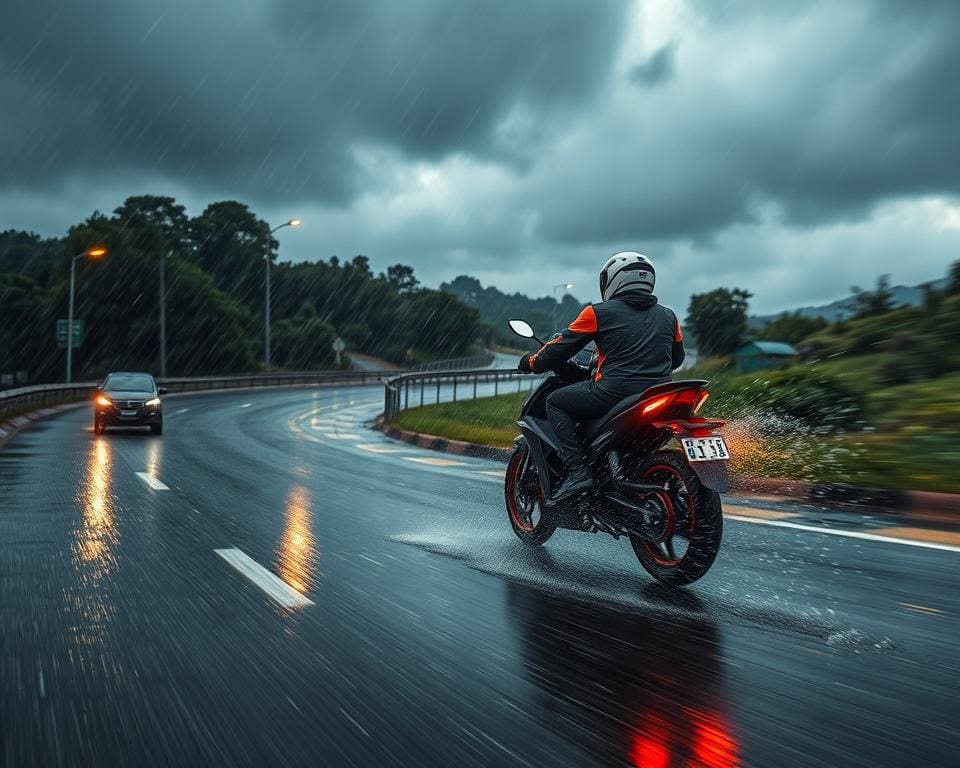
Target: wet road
[(143, 584)]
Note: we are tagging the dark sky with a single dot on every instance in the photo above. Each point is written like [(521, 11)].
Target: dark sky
[(789, 148)]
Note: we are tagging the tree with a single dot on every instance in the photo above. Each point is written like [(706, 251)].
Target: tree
[(718, 320), (401, 278), (230, 244), (303, 342), (953, 286), (22, 324), (875, 302), (791, 328)]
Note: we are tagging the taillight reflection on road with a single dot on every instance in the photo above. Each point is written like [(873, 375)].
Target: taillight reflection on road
[(692, 739)]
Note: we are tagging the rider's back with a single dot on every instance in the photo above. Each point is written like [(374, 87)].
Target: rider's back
[(636, 340)]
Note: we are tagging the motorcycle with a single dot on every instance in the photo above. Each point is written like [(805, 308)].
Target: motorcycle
[(659, 471)]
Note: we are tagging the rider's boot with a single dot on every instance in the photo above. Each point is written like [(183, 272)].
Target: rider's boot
[(578, 480)]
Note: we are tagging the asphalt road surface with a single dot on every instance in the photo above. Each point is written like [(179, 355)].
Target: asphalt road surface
[(270, 583)]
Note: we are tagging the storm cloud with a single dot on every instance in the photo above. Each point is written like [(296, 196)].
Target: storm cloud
[(750, 142)]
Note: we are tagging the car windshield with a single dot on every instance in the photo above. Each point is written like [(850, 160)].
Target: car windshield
[(129, 382)]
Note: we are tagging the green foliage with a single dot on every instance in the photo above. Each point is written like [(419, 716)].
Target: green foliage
[(303, 342), (718, 320), (21, 313), (953, 287), (487, 420), (215, 274), (876, 302), (800, 394), (30, 255), (791, 328)]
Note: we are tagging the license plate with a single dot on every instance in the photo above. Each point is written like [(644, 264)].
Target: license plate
[(128, 413), (705, 448)]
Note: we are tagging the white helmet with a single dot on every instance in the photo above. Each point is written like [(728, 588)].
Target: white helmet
[(624, 269)]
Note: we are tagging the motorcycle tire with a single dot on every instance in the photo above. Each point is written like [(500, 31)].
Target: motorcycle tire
[(695, 516), (523, 497)]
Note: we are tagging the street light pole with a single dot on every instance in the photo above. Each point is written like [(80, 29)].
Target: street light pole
[(266, 301), (91, 253), (163, 313), (566, 287), (73, 270)]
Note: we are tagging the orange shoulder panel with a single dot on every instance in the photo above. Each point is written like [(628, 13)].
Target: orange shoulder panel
[(679, 334), (586, 322)]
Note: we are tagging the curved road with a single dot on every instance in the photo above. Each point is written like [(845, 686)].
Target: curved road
[(270, 583)]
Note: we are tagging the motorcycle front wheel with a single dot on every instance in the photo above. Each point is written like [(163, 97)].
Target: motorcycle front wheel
[(693, 521), (525, 504)]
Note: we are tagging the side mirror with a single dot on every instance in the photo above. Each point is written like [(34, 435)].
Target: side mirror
[(521, 328), (161, 390)]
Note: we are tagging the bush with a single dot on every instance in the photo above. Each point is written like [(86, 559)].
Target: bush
[(799, 394)]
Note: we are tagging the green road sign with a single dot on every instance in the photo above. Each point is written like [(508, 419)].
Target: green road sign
[(78, 332)]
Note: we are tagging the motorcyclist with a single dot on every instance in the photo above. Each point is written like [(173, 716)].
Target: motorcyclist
[(638, 342)]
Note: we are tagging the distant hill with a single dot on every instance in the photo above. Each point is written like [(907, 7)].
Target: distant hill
[(496, 307), (910, 295)]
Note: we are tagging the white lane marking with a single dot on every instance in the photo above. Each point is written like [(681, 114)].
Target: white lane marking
[(246, 405), (374, 448), (152, 481), (341, 436), (435, 462), (182, 410), (269, 582), (845, 534), (501, 473)]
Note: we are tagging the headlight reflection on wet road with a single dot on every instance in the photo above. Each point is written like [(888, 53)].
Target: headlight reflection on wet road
[(96, 537), (296, 550)]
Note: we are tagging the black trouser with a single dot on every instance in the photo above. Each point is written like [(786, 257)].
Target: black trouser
[(580, 402)]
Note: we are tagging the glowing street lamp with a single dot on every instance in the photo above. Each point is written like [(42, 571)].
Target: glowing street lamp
[(266, 330), (94, 253)]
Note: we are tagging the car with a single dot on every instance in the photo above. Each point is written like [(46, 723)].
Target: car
[(128, 400)]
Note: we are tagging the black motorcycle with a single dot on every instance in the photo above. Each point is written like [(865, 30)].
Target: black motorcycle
[(659, 471)]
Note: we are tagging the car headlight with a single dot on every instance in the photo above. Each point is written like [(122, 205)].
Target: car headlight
[(103, 400), (154, 403)]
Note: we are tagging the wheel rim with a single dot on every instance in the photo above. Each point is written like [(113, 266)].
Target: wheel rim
[(524, 496), (670, 551)]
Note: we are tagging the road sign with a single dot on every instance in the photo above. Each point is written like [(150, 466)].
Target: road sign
[(79, 331), (338, 346)]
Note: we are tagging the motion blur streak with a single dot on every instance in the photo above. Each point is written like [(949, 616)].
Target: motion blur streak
[(296, 556)]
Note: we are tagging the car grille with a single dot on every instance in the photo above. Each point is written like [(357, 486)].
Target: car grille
[(127, 405)]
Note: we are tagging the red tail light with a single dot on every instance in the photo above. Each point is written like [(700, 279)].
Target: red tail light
[(689, 398)]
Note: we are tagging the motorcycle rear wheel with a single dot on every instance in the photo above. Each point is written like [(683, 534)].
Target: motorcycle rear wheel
[(695, 519), (526, 511)]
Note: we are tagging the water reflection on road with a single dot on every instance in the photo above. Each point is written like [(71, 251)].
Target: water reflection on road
[(648, 691)]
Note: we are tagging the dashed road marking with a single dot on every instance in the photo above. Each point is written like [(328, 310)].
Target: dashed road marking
[(269, 582), (921, 609), (177, 413), (153, 482), (340, 436), (501, 473), (246, 405), (435, 462)]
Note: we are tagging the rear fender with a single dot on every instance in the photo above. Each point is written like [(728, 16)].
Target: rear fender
[(715, 475)]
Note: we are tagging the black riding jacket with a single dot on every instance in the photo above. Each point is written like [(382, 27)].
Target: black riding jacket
[(639, 341)]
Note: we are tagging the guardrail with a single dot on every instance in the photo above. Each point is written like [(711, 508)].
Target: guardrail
[(425, 387), (456, 363), (24, 399)]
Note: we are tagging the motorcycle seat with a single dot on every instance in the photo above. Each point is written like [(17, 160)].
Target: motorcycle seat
[(592, 427)]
